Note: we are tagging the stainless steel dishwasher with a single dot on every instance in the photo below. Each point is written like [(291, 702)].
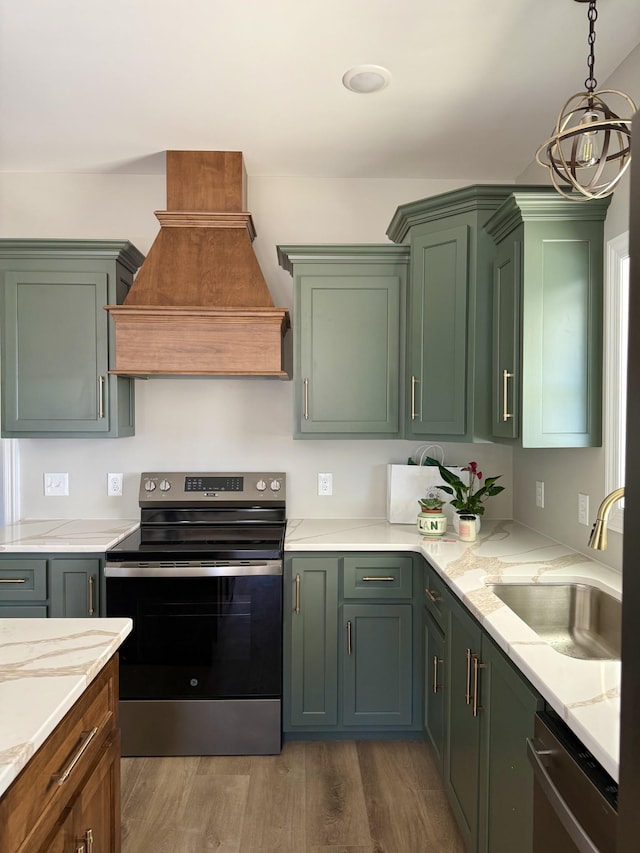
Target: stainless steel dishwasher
[(575, 801)]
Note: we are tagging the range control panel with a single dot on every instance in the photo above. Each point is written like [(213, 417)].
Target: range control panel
[(184, 486)]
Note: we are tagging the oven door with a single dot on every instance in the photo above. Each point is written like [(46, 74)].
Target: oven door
[(209, 633)]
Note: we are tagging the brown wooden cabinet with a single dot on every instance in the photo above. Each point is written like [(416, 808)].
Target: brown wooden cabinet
[(67, 798)]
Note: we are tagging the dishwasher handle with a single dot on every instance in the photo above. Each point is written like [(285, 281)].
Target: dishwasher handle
[(556, 800)]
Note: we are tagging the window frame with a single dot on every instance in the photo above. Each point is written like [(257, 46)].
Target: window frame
[(614, 426)]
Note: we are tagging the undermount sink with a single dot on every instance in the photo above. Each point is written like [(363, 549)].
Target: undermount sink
[(576, 619)]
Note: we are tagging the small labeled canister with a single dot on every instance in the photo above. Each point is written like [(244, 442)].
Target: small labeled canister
[(467, 528)]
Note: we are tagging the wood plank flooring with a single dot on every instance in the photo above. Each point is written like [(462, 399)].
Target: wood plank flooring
[(315, 797)]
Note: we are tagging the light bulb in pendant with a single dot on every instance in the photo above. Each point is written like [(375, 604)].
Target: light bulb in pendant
[(589, 144)]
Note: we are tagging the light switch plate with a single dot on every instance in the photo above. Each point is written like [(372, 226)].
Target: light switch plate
[(583, 509), (56, 485), (540, 493)]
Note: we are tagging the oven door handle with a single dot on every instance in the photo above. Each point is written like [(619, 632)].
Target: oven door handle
[(167, 569), (536, 753)]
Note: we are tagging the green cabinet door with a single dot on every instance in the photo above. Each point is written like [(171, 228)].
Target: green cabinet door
[(348, 306), (462, 754), (57, 345), (506, 339), (377, 660), (74, 585), (506, 778), (310, 642), (434, 687), (437, 346), (550, 253)]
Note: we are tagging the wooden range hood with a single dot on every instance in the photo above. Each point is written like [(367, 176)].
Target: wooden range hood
[(199, 304)]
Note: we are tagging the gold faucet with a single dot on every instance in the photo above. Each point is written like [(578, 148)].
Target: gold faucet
[(598, 538)]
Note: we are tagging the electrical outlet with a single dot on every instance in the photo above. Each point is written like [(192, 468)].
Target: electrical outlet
[(540, 493), (114, 485), (56, 485), (325, 484), (583, 509)]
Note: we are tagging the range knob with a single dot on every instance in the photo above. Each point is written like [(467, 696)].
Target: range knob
[(165, 485), (261, 485), (275, 485), (149, 485)]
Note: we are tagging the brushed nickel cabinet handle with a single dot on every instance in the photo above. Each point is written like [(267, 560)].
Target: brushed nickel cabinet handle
[(432, 596), (348, 638), (13, 580), (436, 661), (81, 847), (467, 695), (87, 737), (414, 382), (378, 579), (306, 399), (89, 839), (505, 407), (101, 396), (476, 685), (91, 603), (297, 593)]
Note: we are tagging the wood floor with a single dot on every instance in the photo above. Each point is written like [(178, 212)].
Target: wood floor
[(316, 797)]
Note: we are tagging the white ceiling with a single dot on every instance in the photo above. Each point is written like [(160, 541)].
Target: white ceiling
[(109, 85)]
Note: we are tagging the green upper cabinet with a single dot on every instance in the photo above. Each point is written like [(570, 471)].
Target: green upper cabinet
[(448, 352), (57, 340), (348, 324), (547, 319)]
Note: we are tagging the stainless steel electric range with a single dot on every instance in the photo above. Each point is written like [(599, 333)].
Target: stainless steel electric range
[(201, 672)]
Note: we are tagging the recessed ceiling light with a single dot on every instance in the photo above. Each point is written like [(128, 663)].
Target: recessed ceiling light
[(364, 79)]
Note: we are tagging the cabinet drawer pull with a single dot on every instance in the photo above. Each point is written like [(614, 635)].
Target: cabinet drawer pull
[(13, 580), (297, 593), (348, 638), (414, 382), (101, 396), (306, 399), (476, 685), (505, 407), (378, 579), (87, 737), (85, 845), (432, 596), (467, 695), (436, 661), (91, 605)]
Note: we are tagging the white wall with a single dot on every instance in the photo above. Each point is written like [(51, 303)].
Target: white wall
[(220, 424), (568, 472)]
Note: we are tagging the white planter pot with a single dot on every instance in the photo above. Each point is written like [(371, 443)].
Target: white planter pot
[(432, 523)]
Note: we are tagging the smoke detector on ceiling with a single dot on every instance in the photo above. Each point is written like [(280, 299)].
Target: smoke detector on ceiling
[(365, 79)]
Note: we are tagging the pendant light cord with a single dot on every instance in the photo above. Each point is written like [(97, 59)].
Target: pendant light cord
[(592, 14)]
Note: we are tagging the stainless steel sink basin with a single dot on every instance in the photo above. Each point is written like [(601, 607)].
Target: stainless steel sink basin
[(578, 620)]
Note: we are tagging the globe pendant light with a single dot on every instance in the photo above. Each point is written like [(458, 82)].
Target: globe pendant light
[(590, 148)]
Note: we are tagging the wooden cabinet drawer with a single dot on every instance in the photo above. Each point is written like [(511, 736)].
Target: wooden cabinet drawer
[(35, 800), (23, 580), (434, 594), (377, 577)]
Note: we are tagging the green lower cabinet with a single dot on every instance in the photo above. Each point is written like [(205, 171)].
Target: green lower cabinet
[(462, 752), (74, 586), (23, 611), (491, 713), (506, 778), (377, 664), (434, 687), (351, 665), (311, 642)]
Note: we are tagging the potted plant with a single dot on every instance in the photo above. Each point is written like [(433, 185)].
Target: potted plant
[(469, 497), (431, 519)]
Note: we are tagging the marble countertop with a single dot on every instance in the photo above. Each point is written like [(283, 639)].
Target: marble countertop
[(585, 693), (45, 666), (92, 535)]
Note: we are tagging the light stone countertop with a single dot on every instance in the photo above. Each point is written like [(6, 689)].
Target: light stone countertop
[(45, 666), (586, 694), (92, 535)]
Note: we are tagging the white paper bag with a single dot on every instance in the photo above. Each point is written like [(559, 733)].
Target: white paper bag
[(406, 484)]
